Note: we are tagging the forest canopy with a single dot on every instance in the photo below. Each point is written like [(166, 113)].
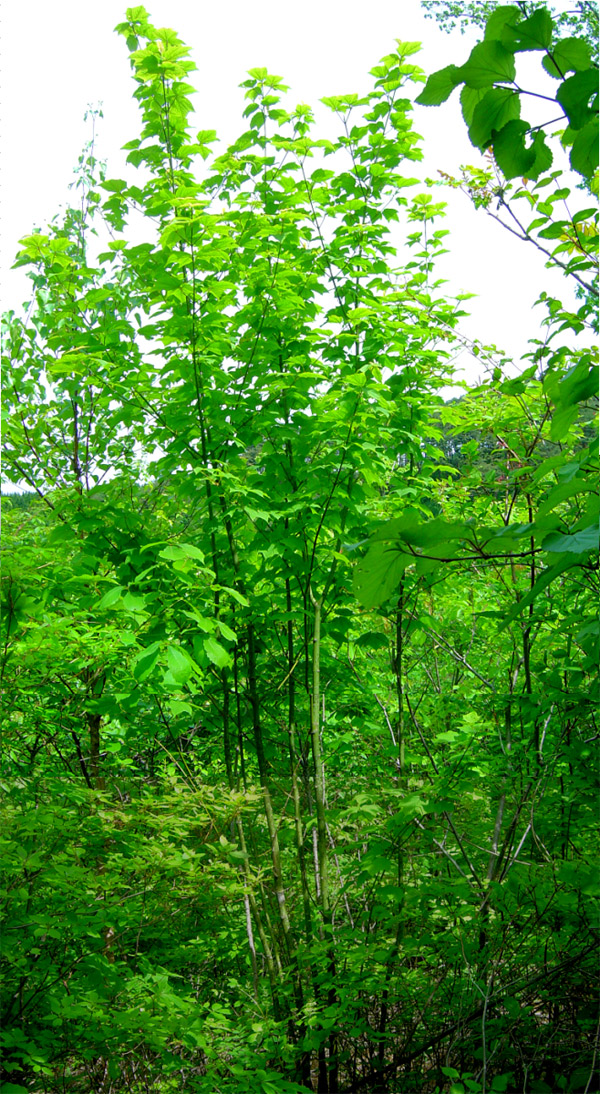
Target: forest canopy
[(299, 654)]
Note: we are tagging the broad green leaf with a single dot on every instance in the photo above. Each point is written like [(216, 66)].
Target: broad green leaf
[(179, 664), (497, 107), (448, 736), (439, 86), (412, 805), (469, 99), (579, 384), (584, 153), (543, 156), (204, 621), (488, 63), (568, 55), (180, 706), (173, 553), (235, 595), (62, 534), (502, 16), (408, 49), (134, 603), (411, 520), (557, 230), (226, 632), (111, 597), (373, 640), (114, 186), (578, 543), (510, 153), (145, 662), (216, 652), (378, 574), (562, 420), (192, 552), (436, 533), (534, 33), (574, 95), (178, 551)]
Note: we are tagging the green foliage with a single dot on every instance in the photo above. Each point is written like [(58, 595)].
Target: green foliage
[(297, 658), (493, 117), (581, 18), (491, 107)]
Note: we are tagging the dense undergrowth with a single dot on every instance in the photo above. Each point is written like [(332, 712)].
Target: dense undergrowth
[(298, 660)]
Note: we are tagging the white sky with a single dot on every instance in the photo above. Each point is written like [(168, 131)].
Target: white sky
[(61, 55)]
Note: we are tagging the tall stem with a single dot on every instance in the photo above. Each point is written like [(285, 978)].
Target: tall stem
[(331, 1078), (398, 666), (299, 828), (319, 769)]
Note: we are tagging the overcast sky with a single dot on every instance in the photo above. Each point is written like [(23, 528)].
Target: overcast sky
[(61, 55)]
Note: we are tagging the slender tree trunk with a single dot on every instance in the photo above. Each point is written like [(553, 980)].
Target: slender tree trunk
[(94, 721), (398, 665), (323, 846)]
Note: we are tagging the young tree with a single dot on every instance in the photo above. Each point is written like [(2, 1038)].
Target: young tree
[(276, 817)]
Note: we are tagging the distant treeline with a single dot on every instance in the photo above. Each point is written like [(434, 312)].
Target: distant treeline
[(18, 500)]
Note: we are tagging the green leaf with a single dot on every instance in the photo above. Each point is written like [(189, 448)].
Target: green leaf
[(555, 231), (510, 153), (543, 156), (533, 33), (178, 551), (145, 662), (180, 706), (588, 539), (436, 536), (216, 652), (505, 15), (562, 421), (579, 384), (173, 553), (192, 552), (134, 603), (62, 534), (439, 86), (373, 640), (469, 98), (114, 186), (584, 153), (498, 106), (574, 95), (235, 595), (179, 664), (377, 575), (569, 55), (488, 63), (111, 597)]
